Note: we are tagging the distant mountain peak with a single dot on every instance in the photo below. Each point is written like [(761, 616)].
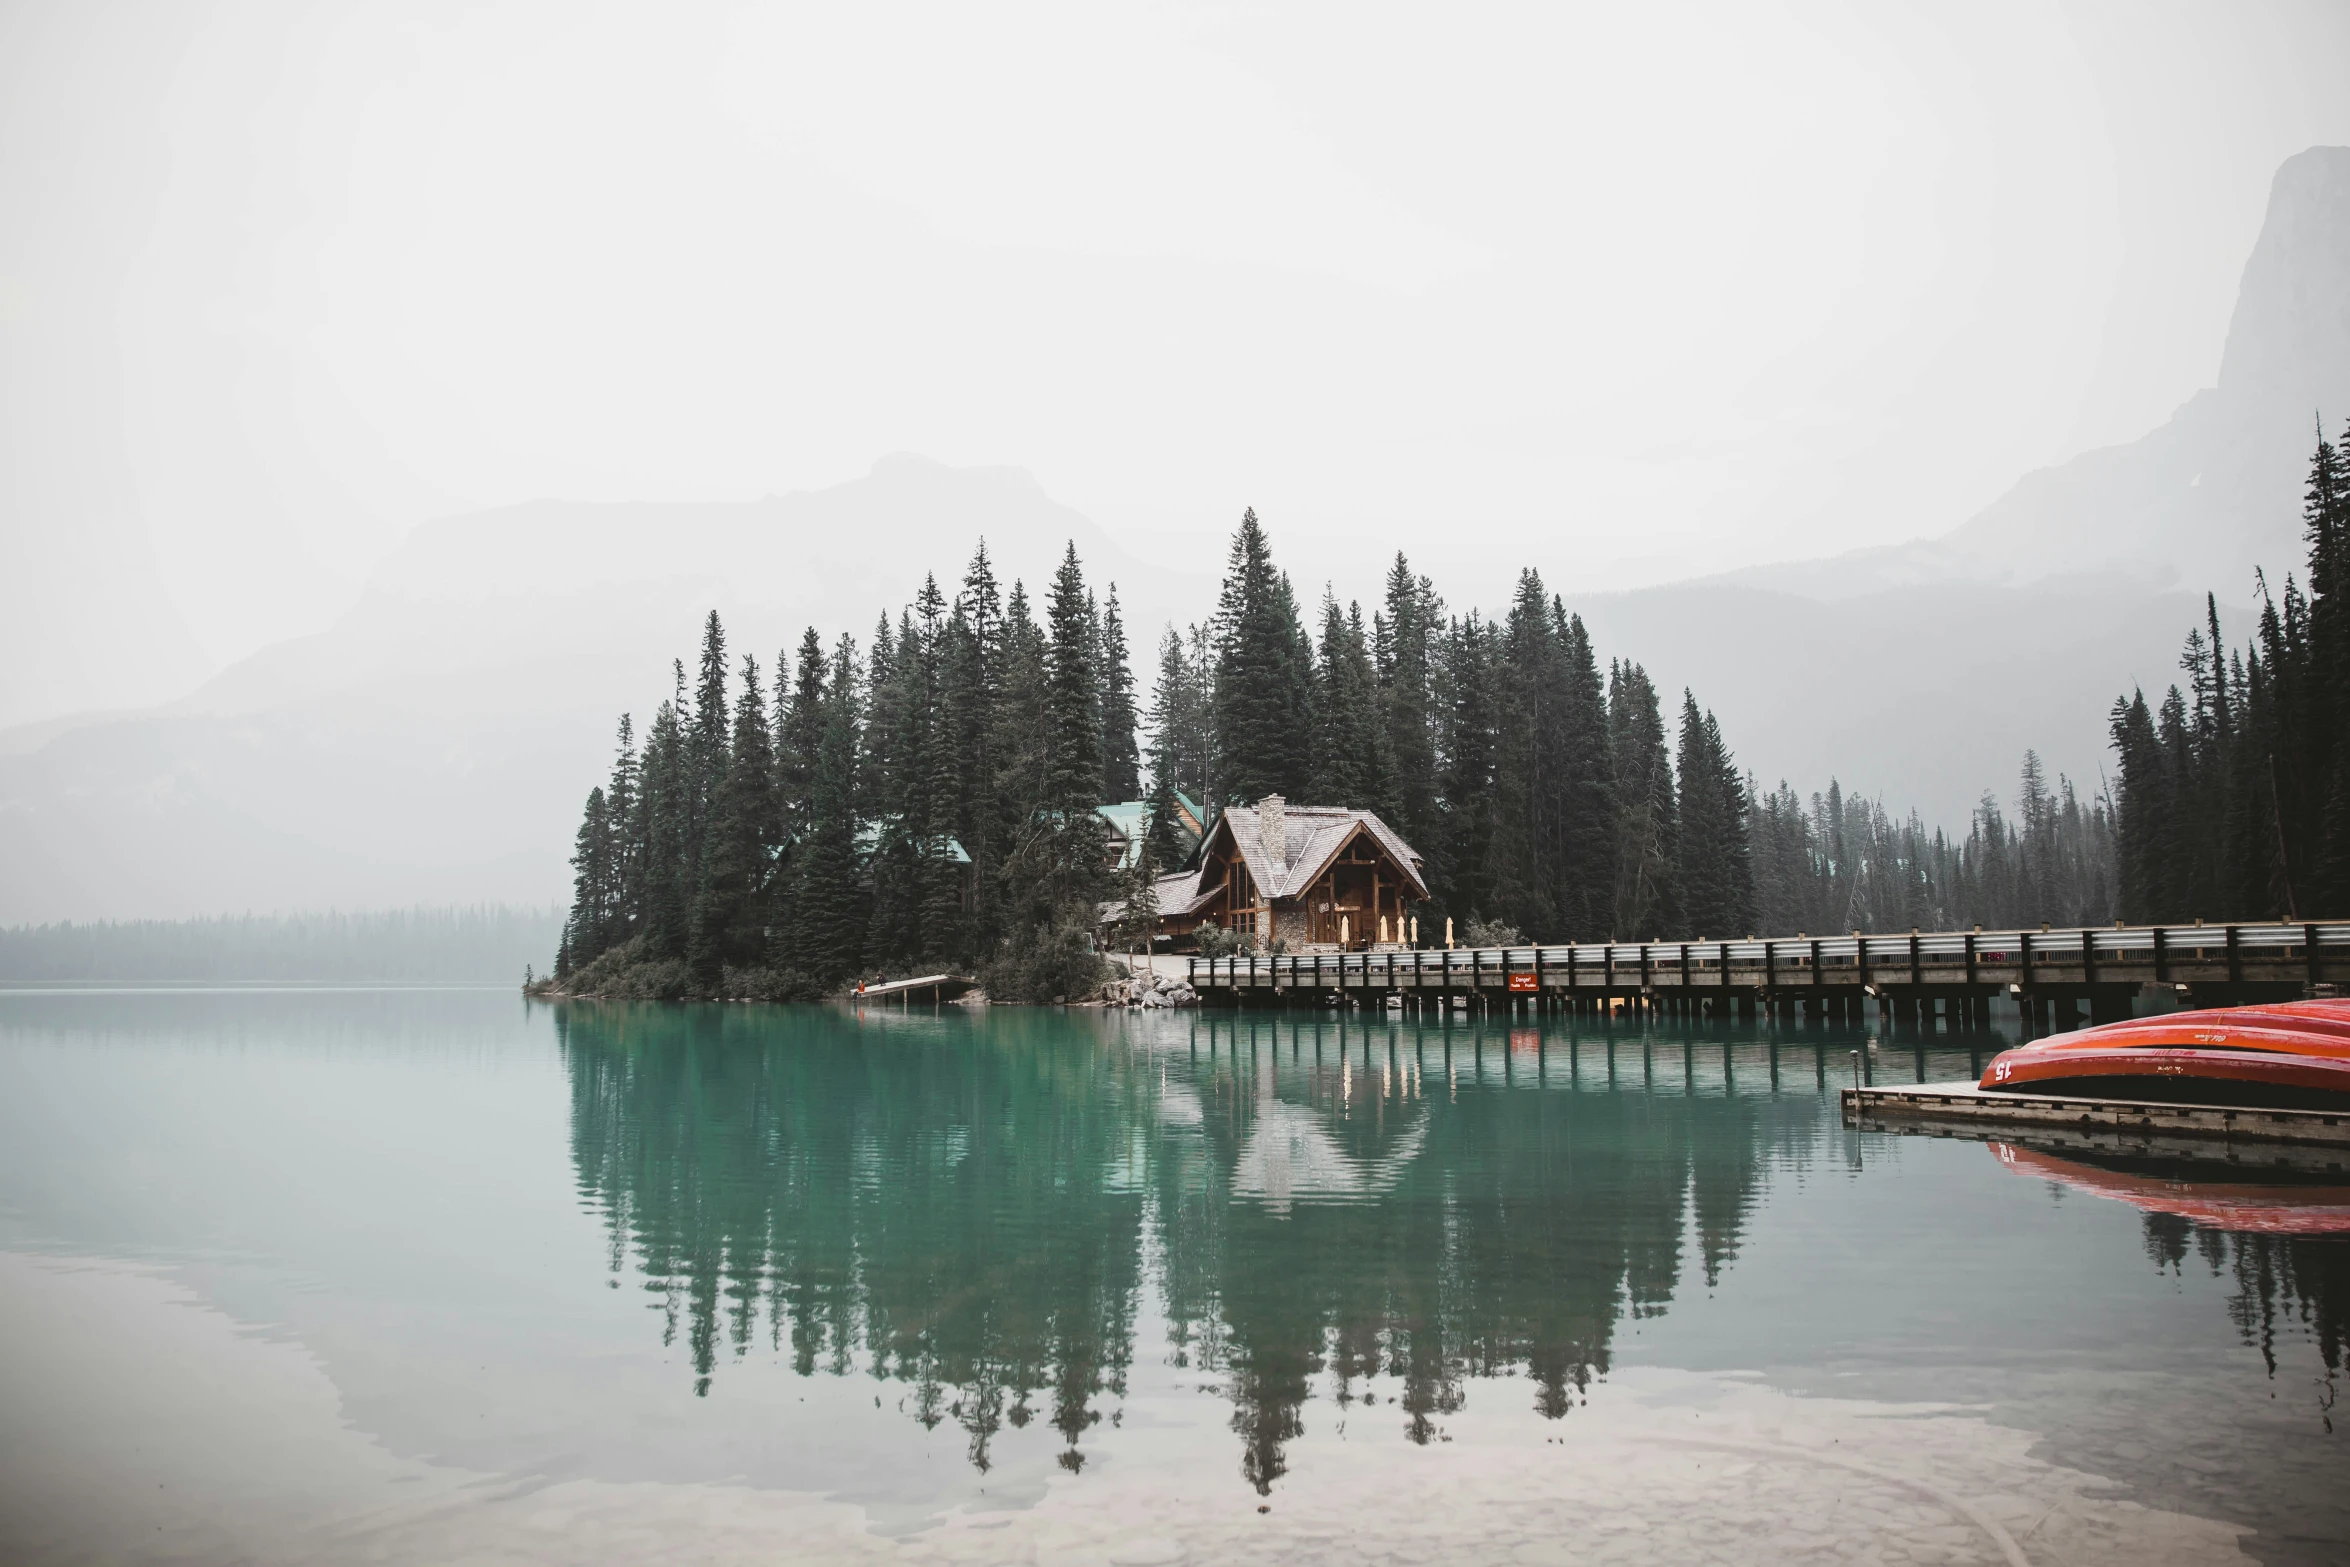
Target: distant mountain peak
[(2289, 340), (2215, 490)]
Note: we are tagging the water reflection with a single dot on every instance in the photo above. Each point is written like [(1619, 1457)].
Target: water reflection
[(982, 1216), (2273, 1233)]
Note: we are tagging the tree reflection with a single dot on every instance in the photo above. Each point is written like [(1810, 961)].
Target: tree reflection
[(2282, 1284), (973, 1208)]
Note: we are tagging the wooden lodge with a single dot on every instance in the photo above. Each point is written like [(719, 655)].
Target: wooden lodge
[(1309, 877)]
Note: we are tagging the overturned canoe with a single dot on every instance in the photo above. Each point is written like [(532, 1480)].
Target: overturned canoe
[(2295, 1055)]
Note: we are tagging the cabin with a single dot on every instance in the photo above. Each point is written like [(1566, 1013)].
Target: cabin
[(1311, 877)]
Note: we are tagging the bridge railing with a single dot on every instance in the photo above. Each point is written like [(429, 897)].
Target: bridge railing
[(2308, 952)]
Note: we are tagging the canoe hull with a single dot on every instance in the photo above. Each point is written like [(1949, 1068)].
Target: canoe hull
[(2295, 1056)]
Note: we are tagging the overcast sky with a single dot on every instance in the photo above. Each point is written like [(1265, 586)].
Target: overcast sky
[(1630, 292)]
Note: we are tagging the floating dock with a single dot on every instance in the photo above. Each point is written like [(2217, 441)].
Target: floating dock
[(2309, 1140)]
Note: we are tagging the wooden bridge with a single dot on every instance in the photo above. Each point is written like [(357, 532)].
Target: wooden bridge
[(2052, 974)]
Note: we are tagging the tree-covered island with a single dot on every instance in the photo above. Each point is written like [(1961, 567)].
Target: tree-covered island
[(934, 800)]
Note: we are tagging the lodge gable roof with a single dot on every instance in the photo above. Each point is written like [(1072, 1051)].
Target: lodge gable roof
[(1309, 838)]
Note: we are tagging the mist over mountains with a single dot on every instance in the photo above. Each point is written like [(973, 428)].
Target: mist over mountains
[(2213, 493), (434, 744)]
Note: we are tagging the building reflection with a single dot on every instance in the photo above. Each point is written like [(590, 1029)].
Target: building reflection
[(983, 1213)]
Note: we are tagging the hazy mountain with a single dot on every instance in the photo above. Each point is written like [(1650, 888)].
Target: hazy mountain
[(435, 745), (1923, 670), (554, 603), (2213, 493)]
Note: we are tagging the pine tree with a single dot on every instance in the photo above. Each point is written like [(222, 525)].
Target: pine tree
[(930, 792), (1586, 789), (1262, 676), (1648, 818), (828, 929), (1713, 875), (706, 743), (591, 891), (1528, 753), (2326, 516), (1121, 761), (1697, 847), (1464, 882), (668, 811), (625, 827), (799, 734), (1353, 764), (1173, 716), (1403, 638), (970, 674), (1073, 766), (733, 909), (2141, 795), (1022, 745), (1073, 763)]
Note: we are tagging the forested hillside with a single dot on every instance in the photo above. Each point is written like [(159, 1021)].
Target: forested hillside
[(925, 799), (2234, 793)]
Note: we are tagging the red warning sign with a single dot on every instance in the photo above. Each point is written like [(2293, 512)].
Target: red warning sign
[(1525, 982)]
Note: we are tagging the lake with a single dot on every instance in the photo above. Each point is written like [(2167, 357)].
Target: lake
[(416, 1275)]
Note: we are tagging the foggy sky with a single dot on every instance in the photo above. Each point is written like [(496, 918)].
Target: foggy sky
[(1627, 293)]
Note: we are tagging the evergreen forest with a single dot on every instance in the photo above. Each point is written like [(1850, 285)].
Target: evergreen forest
[(924, 801), (2233, 794)]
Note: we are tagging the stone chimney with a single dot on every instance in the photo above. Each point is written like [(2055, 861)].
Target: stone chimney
[(1273, 829)]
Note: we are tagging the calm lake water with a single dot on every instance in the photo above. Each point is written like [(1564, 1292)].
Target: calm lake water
[(419, 1276)]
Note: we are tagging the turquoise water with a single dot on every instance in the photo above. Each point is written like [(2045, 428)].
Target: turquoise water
[(409, 1275)]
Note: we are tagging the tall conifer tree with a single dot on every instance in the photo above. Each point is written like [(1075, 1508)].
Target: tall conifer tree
[(1121, 760), (1073, 763), (1647, 815), (1262, 676), (1405, 634), (1586, 788), (828, 935), (733, 908)]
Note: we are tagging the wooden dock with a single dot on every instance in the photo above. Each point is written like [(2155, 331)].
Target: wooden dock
[(927, 987), (2312, 1140), (2053, 974)]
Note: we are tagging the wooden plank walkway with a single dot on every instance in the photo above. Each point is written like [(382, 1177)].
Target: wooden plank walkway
[(939, 986), (2100, 966), (2137, 1127)]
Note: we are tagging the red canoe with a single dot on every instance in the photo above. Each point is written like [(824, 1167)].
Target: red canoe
[(2293, 1055)]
